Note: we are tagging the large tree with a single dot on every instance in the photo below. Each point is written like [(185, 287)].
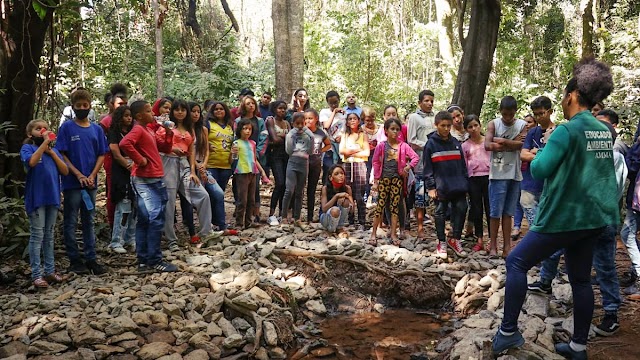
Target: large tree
[(22, 35), (477, 60), (288, 39)]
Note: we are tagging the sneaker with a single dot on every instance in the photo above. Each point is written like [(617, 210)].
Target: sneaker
[(195, 239), (628, 278), (78, 268), (96, 268), (502, 343), (609, 325), (299, 224), (441, 250), (456, 246), (118, 249), (273, 221), (131, 247), (54, 278), (40, 283), (361, 228), (214, 234), (565, 350), (173, 246), (165, 267), (145, 269), (540, 287)]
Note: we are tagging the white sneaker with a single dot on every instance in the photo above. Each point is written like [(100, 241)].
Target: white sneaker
[(118, 249), (214, 234), (273, 221), (441, 250)]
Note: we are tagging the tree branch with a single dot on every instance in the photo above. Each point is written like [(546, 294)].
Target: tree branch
[(461, 13), (227, 10)]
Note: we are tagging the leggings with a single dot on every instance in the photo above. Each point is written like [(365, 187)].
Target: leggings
[(535, 247), (279, 169), (389, 191), (297, 170), (356, 174), (312, 183), (479, 199)]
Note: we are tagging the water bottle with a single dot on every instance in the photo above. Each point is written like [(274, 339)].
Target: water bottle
[(86, 198), (169, 124), (374, 196), (51, 136), (234, 157)]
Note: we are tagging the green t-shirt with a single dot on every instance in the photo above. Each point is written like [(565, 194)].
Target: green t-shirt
[(580, 188)]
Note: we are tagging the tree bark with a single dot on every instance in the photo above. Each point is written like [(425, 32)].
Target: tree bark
[(21, 45), (445, 31), (158, 19), (477, 59), (296, 43), (587, 29), (280, 17)]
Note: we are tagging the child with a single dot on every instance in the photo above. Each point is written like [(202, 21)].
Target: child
[(445, 177), (390, 170), (124, 227), (524, 167), (457, 129), (42, 199), (332, 119), (504, 140), (477, 159), (83, 145), (321, 144), (278, 128), (298, 144), (141, 144), (337, 201), (244, 153), (201, 147), (354, 148), (419, 126), (371, 129), (180, 175)]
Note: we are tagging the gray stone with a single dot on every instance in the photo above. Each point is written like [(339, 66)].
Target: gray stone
[(270, 334), (244, 281), (120, 325), (233, 341), (16, 357), (266, 250), (261, 354), (562, 292), (198, 260), (240, 324), (154, 351), (61, 337), (461, 285), (227, 327), (495, 300), (316, 306), (82, 334), (197, 355), (40, 347), (46, 306), (445, 345), (537, 305), (172, 310), (464, 350), (213, 329), (567, 324), (245, 300), (477, 323), (171, 357), (532, 327), (277, 353)]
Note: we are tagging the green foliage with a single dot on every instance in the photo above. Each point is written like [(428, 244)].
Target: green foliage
[(16, 226)]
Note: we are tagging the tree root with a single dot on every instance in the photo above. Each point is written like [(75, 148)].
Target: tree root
[(257, 319)]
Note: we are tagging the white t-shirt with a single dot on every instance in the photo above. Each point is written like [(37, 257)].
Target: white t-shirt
[(325, 115)]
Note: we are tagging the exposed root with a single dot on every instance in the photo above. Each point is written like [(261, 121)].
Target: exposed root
[(257, 320)]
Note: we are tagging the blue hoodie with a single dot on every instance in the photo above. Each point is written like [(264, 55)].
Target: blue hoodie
[(444, 167)]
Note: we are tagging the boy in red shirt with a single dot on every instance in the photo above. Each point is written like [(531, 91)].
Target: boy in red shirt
[(147, 172)]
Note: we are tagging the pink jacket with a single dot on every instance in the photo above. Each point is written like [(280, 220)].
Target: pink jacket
[(404, 152)]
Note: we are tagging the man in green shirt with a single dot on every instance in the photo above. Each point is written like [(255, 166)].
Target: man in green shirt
[(578, 201)]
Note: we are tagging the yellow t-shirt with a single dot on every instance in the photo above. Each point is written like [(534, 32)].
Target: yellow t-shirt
[(220, 139)]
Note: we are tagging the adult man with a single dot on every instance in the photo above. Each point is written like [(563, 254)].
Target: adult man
[(351, 106), (263, 107)]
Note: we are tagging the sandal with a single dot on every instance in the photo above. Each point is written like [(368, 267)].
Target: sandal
[(396, 242), (40, 283), (54, 278)]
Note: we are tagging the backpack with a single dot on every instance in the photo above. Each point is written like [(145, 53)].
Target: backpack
[(632, 159)]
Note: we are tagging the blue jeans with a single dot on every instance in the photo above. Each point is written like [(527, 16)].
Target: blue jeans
[(628, 236), (216, 196), (504, 195), (529, 203), (517, 218), (124, 224), (604, 262), (327, 163), (535, 247), (549, 267), (151, 201), (222, 176), (72, 204), (42, 221)]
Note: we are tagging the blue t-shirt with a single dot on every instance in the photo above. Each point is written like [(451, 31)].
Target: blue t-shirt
[(82, 145), (43, 180), (532, 141)]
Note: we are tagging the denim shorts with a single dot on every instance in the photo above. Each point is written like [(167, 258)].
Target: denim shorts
[(421, 199), (503, 197)]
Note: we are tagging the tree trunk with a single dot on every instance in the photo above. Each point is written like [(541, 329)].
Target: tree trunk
[(288, 39), (445, 31), (587, 29), (158, 19), (21, 44), (477, 59)]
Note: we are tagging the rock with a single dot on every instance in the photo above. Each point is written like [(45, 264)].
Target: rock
[(154, 351), (495, 300), (476, 323), (461, 285), (141, 319), (46, 306), (227, 327), (120, 325), (159, 318), (567, 324), (244, 281), (19, 357), (13, 348), (171, 357), (266, 250), (240, 324), (213, 329), (161, 336), (44, 347), (245, 300), (262, 354), (233, 341), (172, 310), (214, 303), (562, 292), (198, 340), (277, 353), (197, 355), (123, 337), (532, 327), (537, 305), (270, 334), (198, 260), (61, 337), (260, 295), (82, 334), (445, 345), (316, 306), (86, 354), (323, 352), (464, 350)]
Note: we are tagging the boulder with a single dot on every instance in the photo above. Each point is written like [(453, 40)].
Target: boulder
[(154, 351)]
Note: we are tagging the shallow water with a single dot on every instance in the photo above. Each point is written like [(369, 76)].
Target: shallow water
[(395, 334)]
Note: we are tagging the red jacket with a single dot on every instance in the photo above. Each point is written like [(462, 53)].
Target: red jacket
[(141, 143)]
